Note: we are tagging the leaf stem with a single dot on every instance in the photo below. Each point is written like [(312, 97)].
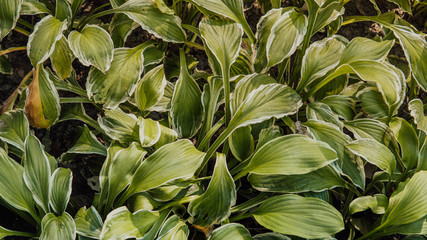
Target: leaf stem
[(12, 49), (226, 80), (97, 15)]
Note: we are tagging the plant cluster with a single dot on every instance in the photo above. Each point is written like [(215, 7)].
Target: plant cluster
[(293, 132)]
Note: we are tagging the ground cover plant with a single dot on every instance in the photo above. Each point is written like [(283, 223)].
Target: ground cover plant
[(192, 120)]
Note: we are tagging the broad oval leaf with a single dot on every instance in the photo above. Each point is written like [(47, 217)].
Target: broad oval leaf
[(92, 46), (321, 111), (174, 229), (291, 154), (361, 48), (37, 172), (316, 181), (9, 14), (42, 103), (417, 112), (408, 140), (152, 19), (16, 194), (299, 216), (319, 58), (214, 205), (118, 83), (62, 58), (228, 8), (120, 126), (122, 224), (186, 105), (58, 227), (41, 43), (347, 162), (242, 143), (88, 222), (408, 204), (377, 203), (121, 170), (33, 7), (60, 191), (172, 161), (381, 157), (14, 128), (286, 35), (151, 88), (149, 132), (223, 39), (233, 231), (88, 144)]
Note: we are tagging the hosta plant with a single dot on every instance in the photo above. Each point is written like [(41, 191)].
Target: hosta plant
[(290, 131)]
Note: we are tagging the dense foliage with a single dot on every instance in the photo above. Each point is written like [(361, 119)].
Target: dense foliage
[(291, 132)]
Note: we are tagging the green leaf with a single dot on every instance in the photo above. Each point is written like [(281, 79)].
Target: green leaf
[(245, 86), (414, 45), (120, 28), (408, 204), (174, 229), (241, 143), (268, 134), (5, 65), (214, 205), (120, 126), (316, 181), (381, 157), (347, 162), (267, 101), (290, 154), (62, 58), (186, 105), (322, 112), (373, 103), (63, 10), (361, 48), (7, 233), (92, 46), (373, 129), (119, 82), (164, 104), (37, 172), (121, 170), (88, 144), (377, 203), (9, 14), (172, 161), (151, 19), (41, 43), (167, 135), (228, 8), (149, 132), (58, 227), (286, 35), (223, 39), (233, 231), (12, 186), (88, 222), (33, 7), (60, 191), (341, 105), (122, 224), (42, 103), (211, 97), (299, 216), (319, 58), (270, 236), (14, 128), (417, 227), (408, 140), (417, 112), (151, 88), (327, 14)]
